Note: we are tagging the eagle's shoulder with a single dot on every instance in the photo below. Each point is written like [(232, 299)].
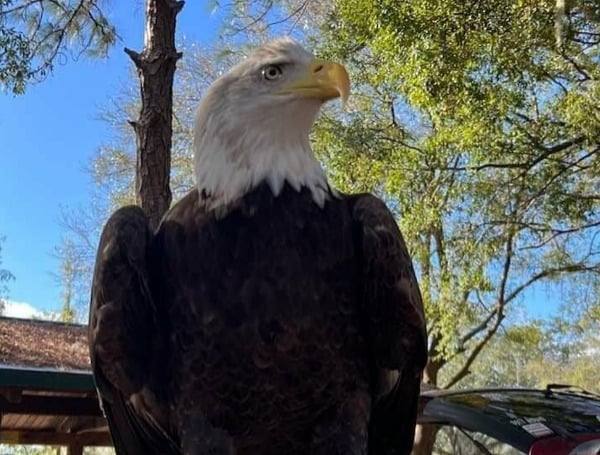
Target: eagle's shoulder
[(390, 273), (368, 208), (188, 208)]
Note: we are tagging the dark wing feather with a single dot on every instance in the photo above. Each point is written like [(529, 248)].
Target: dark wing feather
[(123, 334), (395, 325)]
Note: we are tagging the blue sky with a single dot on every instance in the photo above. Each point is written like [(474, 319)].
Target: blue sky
[(47, 137)]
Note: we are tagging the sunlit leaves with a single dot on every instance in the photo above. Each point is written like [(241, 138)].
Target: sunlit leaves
[(37, 34)]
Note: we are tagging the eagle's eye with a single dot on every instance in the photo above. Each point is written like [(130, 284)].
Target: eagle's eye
[(272, 72)]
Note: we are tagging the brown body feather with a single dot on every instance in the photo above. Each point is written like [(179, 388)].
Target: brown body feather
[(277, 328)]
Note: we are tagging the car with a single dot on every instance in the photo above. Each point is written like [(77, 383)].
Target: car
[(557, 420)]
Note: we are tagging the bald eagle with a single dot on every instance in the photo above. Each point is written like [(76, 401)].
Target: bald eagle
[(268, 314)]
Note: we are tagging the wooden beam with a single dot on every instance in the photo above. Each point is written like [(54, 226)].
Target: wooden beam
[(52, 405), (56, 439), (12, 395)]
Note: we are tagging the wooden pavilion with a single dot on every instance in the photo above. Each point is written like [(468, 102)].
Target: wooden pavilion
[(47, 393)]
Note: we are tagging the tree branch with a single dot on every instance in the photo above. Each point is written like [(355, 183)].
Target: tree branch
[(476, 330), (558, 232), (570, 268), (547, 151), (465, 369), (499, 313), (136, 57)]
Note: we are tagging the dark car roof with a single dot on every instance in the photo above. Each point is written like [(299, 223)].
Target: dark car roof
[(520, 417)]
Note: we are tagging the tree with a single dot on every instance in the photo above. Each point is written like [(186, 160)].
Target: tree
[(70, 268), (34, 34), (5, 277), (509, 357), (153, 129), (562, 350), (76, 254), (570, 343), (125, 175)]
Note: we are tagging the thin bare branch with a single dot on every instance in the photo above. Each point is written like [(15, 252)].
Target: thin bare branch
[(547, 273), (547, 151), (559, 232), (477, 329), (465, 369)]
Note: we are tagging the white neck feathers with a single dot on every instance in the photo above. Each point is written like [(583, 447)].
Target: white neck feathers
[(230, 160)]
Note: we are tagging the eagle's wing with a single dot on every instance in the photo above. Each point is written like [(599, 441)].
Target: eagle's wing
[(396, 328), (123, 335)]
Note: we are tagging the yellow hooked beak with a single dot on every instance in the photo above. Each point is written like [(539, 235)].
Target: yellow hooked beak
[(322, 80)]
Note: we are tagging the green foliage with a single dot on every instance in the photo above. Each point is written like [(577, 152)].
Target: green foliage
[(561, 350), (487, 140), (508, 360), (35, 33)]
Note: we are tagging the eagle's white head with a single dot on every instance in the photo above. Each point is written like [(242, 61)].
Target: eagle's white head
[(253, 123)]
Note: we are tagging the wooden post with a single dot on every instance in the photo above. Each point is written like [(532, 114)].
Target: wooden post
[(75, 448)]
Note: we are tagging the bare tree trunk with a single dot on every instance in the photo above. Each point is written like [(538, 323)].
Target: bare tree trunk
[(424, 439), (425, 434), (153, 129), (75, 449)]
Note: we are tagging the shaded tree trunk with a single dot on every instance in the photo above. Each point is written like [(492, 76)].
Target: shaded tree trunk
[(424, 439), (156, 68), (425, 435)]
